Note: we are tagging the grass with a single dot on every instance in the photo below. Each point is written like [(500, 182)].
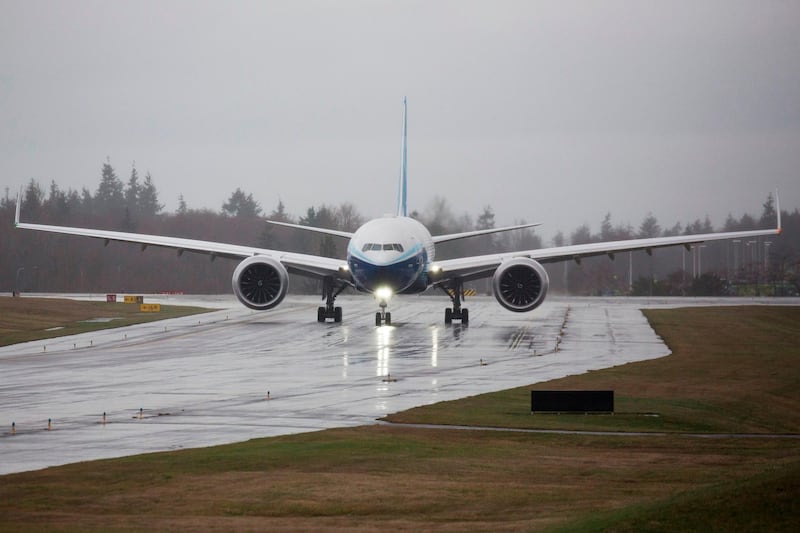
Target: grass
[(733, 370), (29, 319), (725, 374)]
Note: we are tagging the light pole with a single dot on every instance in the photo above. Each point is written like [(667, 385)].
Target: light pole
[(766, 245), (16, 283), (736, 243), (700, 259), (753, 267)]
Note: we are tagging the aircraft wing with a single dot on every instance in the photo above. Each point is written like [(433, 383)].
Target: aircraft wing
[(326, 231), (463, 235), (304, 264), (476, 267)]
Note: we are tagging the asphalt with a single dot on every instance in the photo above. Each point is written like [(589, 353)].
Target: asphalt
[(234, 374)]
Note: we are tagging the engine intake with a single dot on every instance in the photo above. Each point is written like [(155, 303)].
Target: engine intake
[(260, 282), (520, 284)]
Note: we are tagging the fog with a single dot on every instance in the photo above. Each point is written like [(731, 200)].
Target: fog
[(556, 112)]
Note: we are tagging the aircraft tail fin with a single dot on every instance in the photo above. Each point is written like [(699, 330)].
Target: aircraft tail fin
[(19, 203), (402, 188)]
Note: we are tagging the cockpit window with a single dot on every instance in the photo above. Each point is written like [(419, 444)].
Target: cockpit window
[(388, 247)]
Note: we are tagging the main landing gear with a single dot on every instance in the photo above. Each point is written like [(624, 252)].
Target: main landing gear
[(329, 294), (455, 291)]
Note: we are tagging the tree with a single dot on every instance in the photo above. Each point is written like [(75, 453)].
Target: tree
[(649, 227), (33, 197), (132, 191), (182, 208), (57, 202), (486, 219), (606, 229), (148, 198), (769, 217), (673, 231), (347, 217), (241, 205), (697, 227), (582, 235), (279, 214), (438, 217), (109, 194)]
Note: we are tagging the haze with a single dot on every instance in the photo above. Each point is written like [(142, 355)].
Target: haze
[(557, 112)]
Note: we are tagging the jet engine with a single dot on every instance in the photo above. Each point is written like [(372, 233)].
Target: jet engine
[(260, 282), (520, 284)]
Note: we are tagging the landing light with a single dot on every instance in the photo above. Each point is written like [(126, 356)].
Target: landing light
[(435, 269), (383, 293)]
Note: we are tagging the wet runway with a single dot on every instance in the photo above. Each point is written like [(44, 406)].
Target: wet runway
[(205, 380)]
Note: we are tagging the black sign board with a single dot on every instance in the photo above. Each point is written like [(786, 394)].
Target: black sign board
[(580, 401)]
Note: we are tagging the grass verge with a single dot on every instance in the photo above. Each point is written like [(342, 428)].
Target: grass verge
[(436, 479), (29, 319)]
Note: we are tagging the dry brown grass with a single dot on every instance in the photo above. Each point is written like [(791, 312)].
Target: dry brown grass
[(27, 319), (376, 477)]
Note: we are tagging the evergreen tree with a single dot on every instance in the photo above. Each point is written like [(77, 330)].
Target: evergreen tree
[(486, 219), (769, 217), (109, 194), (133, 191), (87, 201), (182, 207), (649, 227), (33, 198), (582, 235), (148, 198), (279, 214), (241, 205)]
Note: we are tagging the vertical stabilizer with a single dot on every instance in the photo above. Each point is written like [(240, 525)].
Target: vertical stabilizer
[(19, 203), (402, 188)]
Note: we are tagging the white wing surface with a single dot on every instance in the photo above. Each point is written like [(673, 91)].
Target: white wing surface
[(476, 267), (309, 265)]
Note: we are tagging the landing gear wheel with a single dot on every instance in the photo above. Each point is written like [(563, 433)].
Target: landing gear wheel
[(448, 316), (388, 319), (330, 291), (378, 319), (465, 316)]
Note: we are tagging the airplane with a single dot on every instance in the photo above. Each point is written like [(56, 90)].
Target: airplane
[(395, 255)]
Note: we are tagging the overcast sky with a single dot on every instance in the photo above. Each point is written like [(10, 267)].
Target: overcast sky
[(556, 112)]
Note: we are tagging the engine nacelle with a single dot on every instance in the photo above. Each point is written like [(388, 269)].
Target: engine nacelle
[(520, 284), (260, 282)]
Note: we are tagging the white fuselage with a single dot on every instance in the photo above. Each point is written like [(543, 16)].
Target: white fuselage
[(391, 253)]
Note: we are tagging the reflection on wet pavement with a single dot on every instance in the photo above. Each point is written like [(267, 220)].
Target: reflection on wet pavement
[(235, 374)]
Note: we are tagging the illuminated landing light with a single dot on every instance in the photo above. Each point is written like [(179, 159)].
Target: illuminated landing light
[(344, 268), (434, 269), (383, 293)]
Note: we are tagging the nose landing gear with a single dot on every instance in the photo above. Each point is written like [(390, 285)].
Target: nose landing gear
[(383, 317)]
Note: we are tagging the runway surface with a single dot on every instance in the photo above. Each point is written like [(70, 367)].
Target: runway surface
[(231, 375)]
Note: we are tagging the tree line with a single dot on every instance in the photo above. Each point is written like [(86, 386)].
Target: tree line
[(40, 262)]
